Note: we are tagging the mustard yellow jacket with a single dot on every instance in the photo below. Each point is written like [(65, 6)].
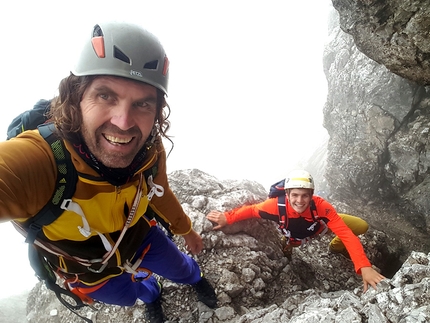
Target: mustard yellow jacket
[(27, 181)]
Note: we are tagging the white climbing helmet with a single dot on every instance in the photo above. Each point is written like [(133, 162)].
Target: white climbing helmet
[(299, 179)]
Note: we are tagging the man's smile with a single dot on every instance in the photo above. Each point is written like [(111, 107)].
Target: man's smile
[(117, 140)]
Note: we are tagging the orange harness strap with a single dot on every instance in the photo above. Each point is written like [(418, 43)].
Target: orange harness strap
[(82, 292), (140, 269)]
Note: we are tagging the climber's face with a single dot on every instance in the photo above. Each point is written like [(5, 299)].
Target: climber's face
[(299, 198), (118, 116)]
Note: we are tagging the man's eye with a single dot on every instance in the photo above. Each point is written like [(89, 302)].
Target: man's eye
[(104, 96), (149, 105), (142, 104)]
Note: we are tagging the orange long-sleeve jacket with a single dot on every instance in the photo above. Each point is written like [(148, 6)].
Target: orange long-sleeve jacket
[(300, 225)]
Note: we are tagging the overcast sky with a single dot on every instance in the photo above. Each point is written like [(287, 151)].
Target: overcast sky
[(246, 82), (246, 88)]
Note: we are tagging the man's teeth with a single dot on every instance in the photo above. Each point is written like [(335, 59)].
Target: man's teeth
[(117, 140)]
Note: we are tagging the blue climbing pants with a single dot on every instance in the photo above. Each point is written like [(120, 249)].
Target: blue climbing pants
[(162, 258)]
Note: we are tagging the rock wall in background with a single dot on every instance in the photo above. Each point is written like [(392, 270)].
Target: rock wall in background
[(378, 155)]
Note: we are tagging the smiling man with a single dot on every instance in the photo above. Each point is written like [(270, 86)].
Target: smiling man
[(118, 116), (302, 216), (110, 119)]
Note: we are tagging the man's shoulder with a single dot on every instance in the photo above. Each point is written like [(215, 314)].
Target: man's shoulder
[(319, 200), (269, 205), (323, 207), (30, 140)]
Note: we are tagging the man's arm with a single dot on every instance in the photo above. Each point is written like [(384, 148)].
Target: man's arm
[(27, 175), (168, 206), (267, 209)]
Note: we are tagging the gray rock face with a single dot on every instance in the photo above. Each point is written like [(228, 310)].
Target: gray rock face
[(256, 283), (394, 33), (378, 123)]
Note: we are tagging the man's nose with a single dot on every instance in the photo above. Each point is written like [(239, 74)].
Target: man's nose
[(122, 116)]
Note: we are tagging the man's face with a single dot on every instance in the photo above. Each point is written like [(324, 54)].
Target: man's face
[(118, 116), (299, 199)]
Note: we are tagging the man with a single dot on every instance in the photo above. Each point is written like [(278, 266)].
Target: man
[(305, 217), (110, 115)]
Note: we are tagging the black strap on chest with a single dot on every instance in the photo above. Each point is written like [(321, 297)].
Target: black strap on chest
[(282, 209)]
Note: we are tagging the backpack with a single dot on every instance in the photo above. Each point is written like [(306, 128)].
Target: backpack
[(29, 119), (36, 118)]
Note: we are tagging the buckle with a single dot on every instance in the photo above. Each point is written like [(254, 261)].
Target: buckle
[(98, 271)]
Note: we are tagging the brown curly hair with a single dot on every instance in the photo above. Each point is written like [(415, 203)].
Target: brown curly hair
[(65, 109)]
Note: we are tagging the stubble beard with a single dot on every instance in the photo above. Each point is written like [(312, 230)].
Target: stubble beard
[(111, 160)]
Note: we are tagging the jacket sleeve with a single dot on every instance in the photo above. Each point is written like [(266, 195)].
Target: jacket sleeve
[(168, 206), (27, 176), (349, 239), (267, 209)]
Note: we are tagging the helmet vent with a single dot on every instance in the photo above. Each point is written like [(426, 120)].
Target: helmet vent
[(117, 53), (97, 31), (151, 65)]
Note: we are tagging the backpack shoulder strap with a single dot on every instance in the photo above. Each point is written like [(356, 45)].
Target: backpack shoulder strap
[(64, 188), (282, 209), (313, 210)]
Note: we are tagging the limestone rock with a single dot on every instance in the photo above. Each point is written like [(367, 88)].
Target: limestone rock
[(255, 282)]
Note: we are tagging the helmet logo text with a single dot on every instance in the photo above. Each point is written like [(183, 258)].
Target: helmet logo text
[(135, 73)]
